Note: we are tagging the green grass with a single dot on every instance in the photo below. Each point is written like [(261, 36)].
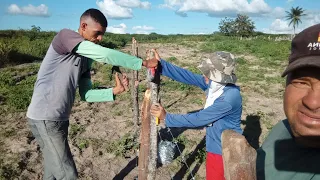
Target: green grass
[(198, 101), (76, 129), (83, 143), (171, 85), (118, 112), (272, 51), (181, 139), (16, 88), (201, 154), (26, 46), (9, 172), (172, 59), (10, 168), (8, 133), (265, 118), (123, 146)]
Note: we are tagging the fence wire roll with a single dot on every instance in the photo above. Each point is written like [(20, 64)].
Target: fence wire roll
[(166, 152), (168, 148)]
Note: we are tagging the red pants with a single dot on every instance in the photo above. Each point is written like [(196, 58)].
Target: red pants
[(214, 167)]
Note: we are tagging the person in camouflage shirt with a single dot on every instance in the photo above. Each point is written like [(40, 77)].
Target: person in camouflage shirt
[(222, 109)]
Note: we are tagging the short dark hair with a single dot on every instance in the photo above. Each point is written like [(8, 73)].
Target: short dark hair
[(96, 15)]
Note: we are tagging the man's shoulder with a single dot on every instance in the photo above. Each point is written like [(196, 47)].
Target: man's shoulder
[(281, 158), (231, 94), (66, 30), (65, 41), (280, 131), (65, 33), (231, 89), (281, 126)]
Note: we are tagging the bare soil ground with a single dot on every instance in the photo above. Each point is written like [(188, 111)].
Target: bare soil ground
[(101, 133)]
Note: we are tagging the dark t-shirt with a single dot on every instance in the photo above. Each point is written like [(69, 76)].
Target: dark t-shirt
[(280, 157)]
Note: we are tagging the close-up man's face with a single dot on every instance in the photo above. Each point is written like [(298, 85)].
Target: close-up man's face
[(302, 103), (92, 31)]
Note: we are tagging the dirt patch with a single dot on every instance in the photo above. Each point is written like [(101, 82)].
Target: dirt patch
[(259, 115), (248, 58)]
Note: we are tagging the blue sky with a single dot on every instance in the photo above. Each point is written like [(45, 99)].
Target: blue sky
[(160, 16)]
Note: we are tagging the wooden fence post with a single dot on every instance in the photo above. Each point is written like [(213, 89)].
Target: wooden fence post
[(154, 81), (134, 87), (149, 136), (144, 137)]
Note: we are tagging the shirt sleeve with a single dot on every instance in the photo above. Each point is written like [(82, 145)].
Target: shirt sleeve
[(93, 95), (109, 56), (182, 75), (204, 117), (66, 40)]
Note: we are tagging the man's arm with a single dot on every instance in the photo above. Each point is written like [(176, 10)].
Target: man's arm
[(182, 75), (105, 55), (93, 95), (204, 117), (68, 41)]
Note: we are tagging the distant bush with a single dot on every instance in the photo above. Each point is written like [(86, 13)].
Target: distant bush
[(242, 25), (5, 49)]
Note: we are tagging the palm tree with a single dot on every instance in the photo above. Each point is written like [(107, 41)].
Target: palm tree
[(294, 15)]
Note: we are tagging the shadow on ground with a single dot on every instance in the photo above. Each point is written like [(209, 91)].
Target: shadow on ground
[(252, 130)]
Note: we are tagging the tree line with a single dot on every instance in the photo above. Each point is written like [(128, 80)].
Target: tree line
[(243, 26)]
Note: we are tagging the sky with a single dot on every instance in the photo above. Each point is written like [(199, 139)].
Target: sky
[(159, 16)]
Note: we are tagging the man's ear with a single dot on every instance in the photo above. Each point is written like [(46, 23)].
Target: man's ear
[(83, 26)]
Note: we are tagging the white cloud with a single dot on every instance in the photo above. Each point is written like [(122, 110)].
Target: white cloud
[(195, 32), (142, 32), (290, 1), (113, 10), (182, 14), (277, 13), (118, 29), (279, 26), (172, 3), (218, 8), (30, 10), (121, 9), (165, 6), (312, 18), (202, 33), (134, 4), (143, 29)]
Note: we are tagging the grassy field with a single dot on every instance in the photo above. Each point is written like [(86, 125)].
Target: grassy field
[(101, 134)]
